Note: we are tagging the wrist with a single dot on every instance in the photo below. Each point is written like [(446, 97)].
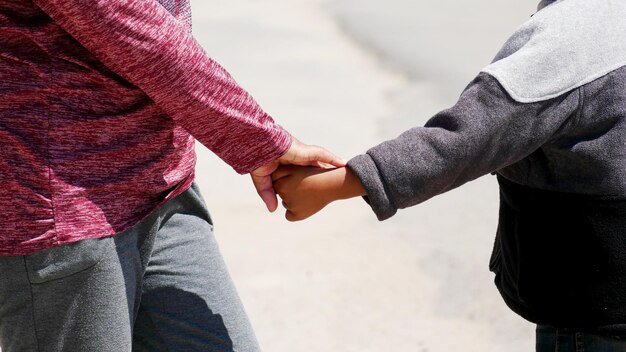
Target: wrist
[(348, 184)]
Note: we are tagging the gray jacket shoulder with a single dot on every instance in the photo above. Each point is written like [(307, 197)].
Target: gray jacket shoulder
[(562, 47)]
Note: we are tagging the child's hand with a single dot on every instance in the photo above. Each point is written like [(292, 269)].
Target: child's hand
[(306, 190)]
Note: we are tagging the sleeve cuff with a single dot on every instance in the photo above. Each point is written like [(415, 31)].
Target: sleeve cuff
[(273, 148), (377, 196)]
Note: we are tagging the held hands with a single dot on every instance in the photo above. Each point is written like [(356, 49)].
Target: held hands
[(306, 190), (307, 178), (298, 154)]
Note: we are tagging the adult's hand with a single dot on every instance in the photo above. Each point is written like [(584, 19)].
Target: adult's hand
[(298, 154)]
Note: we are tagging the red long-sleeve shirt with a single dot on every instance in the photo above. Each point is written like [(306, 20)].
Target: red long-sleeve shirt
[(100, 101)]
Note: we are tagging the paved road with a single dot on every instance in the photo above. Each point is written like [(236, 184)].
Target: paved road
[(343, 281)]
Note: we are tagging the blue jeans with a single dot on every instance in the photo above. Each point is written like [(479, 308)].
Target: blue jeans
[(160, 286), (551, 339)]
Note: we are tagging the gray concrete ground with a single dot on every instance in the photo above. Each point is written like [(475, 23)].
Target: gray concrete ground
[(342, 281)]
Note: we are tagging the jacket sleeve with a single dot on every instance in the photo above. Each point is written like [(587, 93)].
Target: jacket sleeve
[(145, 44), (485, 131)]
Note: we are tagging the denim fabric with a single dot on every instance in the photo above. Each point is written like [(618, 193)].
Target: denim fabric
[(551, 339), (160, 286)]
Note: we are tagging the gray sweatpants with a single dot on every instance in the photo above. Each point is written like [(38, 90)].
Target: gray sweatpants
[(160, 286)]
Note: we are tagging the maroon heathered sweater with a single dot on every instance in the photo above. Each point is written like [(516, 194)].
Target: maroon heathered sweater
[(100, 101)]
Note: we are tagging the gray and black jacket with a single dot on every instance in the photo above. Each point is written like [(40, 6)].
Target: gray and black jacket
[(548, 116)]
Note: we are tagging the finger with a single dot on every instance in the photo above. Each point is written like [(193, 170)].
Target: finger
[(264, 188), (293, 216), (323, 156), (322, 165), (282, 172), (266, 169), (303, 154), (290, 216)]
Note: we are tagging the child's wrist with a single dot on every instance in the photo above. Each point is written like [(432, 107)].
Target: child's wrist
[(350, 186)]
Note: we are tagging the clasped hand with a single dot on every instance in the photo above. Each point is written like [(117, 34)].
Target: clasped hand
[(307, 178)]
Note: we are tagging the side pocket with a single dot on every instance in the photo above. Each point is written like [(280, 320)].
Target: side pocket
[(66, 260)]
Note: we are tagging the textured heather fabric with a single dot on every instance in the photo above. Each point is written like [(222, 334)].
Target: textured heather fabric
[(160, 286), (100, 102), (180, 9), (563, 46)]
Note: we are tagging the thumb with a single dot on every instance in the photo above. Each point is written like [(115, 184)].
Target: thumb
[(265, 190)]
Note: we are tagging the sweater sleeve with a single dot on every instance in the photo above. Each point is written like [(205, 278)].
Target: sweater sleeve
[(485, 131), (145, 44)]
